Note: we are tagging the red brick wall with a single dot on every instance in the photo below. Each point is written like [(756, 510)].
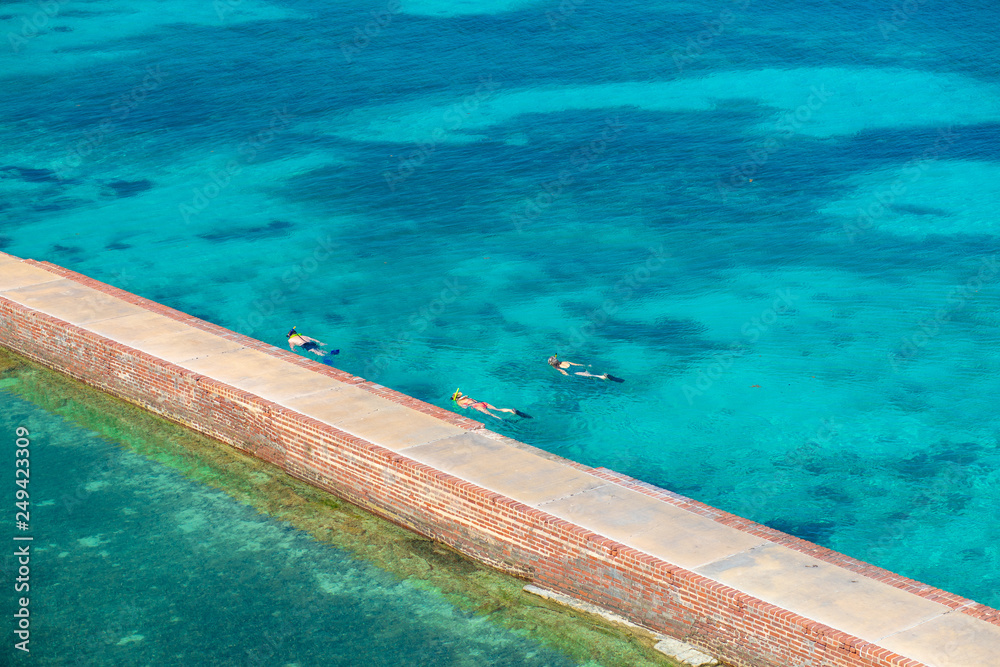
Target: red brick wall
[(489, 527)]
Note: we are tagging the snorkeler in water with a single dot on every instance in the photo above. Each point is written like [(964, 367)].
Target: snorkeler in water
[(561, 366), (464, 401), (295, 339)]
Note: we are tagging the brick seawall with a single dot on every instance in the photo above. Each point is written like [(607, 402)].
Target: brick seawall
[(751, 595)]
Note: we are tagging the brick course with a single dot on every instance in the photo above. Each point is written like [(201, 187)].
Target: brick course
[(487, 526)]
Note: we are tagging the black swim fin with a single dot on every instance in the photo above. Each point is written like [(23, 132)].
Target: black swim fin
[(522, 414), (614, 379)]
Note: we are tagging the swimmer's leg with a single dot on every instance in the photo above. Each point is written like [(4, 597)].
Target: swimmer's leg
[(482, 407), (510, 410)]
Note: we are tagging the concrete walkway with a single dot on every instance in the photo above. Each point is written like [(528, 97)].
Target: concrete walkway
[(901, 621)]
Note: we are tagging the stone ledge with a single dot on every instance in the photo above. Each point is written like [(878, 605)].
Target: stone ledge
[(672, 648)]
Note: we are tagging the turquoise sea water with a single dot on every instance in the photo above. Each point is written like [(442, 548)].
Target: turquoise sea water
[(776, 221), (131, 563)]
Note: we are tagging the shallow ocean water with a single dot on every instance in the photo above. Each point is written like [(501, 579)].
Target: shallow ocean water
[(132, 563), (777, 222)]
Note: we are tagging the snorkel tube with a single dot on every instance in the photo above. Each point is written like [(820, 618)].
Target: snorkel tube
[(456, 395)]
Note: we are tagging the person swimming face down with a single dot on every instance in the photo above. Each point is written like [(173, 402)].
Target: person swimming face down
[(561, 366), (464, 401), (295, 339)]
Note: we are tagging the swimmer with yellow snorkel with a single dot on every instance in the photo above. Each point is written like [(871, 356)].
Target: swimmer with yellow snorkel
[(295, 339), (464, 401)]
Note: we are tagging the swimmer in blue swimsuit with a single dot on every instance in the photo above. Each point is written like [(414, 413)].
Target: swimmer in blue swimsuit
[(295, 339), (561, 366)]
